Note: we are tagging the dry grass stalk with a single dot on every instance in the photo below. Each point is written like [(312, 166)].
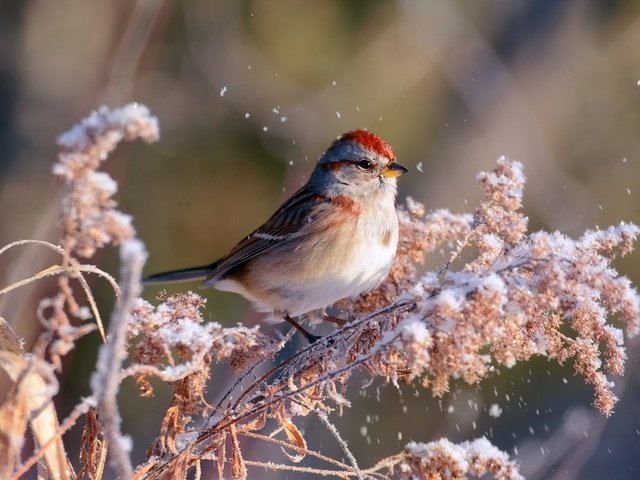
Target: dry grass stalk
[(521, 294)]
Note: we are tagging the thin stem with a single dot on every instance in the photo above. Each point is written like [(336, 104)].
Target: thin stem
[(343, 444), (252, 369), (106, 379)]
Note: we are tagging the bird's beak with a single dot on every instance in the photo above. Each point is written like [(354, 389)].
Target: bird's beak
[(394, 170)]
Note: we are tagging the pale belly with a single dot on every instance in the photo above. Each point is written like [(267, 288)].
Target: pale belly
[(359, 274), (320, 275)]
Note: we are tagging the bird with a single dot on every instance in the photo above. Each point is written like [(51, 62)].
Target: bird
[(334, 238)]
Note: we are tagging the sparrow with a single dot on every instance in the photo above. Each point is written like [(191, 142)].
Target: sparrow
[(334, 238)]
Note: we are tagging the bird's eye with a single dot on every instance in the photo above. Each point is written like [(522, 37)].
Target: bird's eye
[(365, 164)]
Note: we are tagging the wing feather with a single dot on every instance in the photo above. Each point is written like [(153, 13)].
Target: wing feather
[(286, 224)]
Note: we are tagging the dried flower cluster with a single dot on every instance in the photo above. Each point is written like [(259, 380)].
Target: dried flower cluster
[(90, 219), (517, 298), (171, 342), (175, 328), (443, 459), (520, 294)]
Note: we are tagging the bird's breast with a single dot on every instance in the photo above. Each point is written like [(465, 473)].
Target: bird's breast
[(351, 256), (341, 256)]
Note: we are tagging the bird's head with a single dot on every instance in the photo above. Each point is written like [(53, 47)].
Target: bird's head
[(358, 163)]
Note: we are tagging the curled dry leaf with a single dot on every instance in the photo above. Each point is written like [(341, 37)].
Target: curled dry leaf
[(9, 341), (296, 438), (30, 400)]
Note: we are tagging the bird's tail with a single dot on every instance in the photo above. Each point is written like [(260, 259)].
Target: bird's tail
[(183, 275)]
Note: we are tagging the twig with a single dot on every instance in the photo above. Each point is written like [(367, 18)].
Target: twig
[(252, 369), (461, 244), (106, 379), (293, 468), (342, 333), (298, 449), (343, 445), (56, 248), (287, 394)]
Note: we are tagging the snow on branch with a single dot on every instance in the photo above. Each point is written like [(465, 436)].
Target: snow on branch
[(444, 459)]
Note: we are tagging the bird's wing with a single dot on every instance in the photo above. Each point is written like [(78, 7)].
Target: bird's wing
[(292, 220)]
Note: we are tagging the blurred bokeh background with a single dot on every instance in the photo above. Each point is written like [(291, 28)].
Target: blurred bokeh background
[(249, 94)]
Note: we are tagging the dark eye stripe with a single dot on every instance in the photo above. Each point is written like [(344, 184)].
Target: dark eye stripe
[(336, 164)]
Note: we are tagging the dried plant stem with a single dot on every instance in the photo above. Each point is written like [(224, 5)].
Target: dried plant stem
[(292, 468), (295, 447), (57, 270), (74, 267), (343, 445), (252, 369), (71, 267), (459, 247), (136, 370), (324, 342), (232, 420), (106, 379), (55, 248), (287, 394)]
